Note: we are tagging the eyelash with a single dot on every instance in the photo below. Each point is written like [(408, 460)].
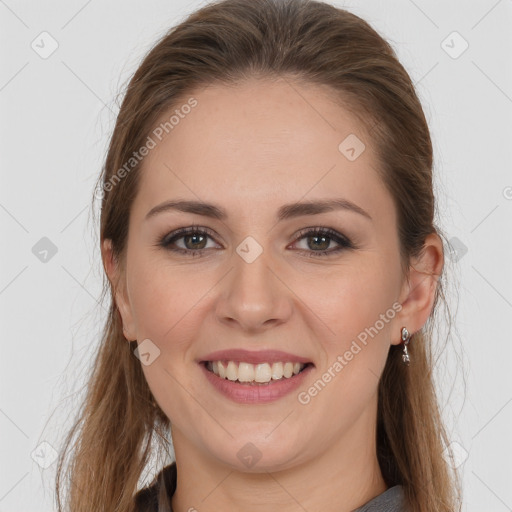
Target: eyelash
[(343, 241)]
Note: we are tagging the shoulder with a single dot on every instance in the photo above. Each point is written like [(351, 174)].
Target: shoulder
[(157, 495), (391, 500)]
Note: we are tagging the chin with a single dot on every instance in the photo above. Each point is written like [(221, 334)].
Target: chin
[(255, 454)]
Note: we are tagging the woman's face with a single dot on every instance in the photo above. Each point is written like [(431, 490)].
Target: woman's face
[(257, 283)]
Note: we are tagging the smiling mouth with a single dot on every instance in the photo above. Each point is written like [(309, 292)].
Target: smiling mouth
[(255, 374)]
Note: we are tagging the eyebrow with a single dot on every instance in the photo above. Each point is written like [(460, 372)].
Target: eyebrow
[(285, 212)]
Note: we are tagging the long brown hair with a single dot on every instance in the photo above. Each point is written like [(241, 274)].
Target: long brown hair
[(120, 427)]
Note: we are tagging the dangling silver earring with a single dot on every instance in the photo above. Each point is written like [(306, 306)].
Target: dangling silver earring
[(405, 340)]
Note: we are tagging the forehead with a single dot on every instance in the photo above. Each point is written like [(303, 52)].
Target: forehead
[(261, 142)]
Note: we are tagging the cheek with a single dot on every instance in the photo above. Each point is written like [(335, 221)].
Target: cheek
[(359, 312), (168, 304), (163, 297), (356, 301)]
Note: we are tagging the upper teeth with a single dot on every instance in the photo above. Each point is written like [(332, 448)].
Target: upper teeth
[(247, 372)]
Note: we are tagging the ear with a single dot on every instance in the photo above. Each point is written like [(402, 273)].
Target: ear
[(418, 293), (118, 282)]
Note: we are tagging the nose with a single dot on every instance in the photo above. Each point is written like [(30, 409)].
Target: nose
[(254, 296)]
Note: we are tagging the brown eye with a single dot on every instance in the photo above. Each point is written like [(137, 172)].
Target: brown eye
[(318, 241), (197, 241), (194, 241)]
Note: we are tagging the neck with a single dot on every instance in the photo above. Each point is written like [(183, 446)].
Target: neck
[(342, 478)]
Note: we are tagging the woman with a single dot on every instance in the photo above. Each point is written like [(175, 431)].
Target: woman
[(267, 230)]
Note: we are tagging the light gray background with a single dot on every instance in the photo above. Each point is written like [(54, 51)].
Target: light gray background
[(56, 116)]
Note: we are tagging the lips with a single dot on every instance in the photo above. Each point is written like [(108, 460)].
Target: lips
[(253, 357), (255, 376)]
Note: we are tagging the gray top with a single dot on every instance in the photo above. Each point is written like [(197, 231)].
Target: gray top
[(391, 500)]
